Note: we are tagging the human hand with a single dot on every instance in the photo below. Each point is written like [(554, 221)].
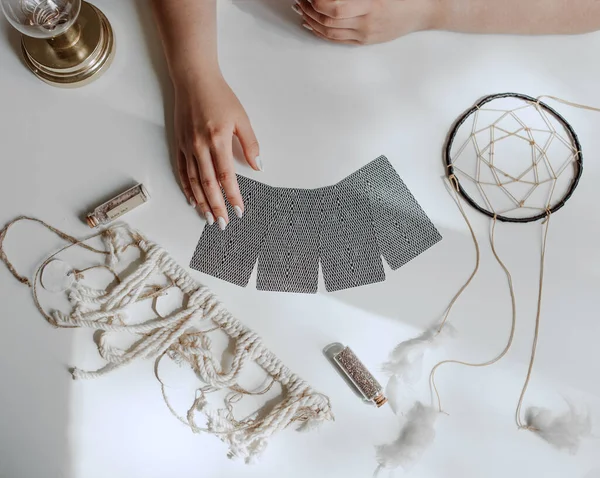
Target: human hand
[(361, 22), (207, 116)]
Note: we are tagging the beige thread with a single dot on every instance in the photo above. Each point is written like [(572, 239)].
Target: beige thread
[(513, 322), (455, 188), (520, 423)]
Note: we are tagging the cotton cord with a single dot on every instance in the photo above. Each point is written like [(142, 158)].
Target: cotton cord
[(454, 189), (62, 235), (177, 335), (569, 103), (520, 422), (512, 297)]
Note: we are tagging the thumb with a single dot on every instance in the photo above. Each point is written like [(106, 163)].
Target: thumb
[(247, 138)]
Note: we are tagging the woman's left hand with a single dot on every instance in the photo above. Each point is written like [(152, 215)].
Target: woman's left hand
[(362, 22)]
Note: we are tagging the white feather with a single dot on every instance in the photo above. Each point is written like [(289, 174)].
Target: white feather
[(405, 363), (416, 435), (564, 431), (393, 394)]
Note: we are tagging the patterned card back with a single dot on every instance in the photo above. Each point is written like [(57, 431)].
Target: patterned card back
[(346, 228)]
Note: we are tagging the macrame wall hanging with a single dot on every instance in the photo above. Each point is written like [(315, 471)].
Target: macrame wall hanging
[(517, 160), (346, 228), (185, 335)]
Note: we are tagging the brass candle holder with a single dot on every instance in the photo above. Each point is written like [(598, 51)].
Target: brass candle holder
[(66, 43)]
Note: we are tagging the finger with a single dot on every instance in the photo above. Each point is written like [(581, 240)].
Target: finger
[(184, 180), (304, 8), (345, 42), (247, 138), (340, 35), (188, 168), (210, 186), (222, 156), (340, 8)]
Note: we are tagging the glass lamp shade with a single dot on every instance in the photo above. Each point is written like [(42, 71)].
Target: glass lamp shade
[(64, 42), (41, 18)]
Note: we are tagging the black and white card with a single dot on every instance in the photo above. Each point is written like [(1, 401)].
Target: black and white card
[(346, 228)]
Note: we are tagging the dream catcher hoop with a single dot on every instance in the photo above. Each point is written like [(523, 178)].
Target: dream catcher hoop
[(539, 154), (516, 160)]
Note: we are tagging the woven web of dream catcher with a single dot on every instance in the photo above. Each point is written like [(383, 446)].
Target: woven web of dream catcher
[(519, 161)]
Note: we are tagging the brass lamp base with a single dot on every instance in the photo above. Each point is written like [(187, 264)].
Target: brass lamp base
[(77, 56)]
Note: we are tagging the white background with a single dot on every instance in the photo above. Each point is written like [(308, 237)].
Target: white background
[(320, 111)]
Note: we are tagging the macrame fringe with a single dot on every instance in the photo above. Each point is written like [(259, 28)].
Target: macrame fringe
[(564, 431), (116, 240), (182, 335), (416, 435), (405, 363)]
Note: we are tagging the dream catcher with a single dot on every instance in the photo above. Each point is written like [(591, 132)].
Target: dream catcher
[(516, 160)]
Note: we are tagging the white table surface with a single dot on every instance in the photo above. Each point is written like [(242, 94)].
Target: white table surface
[(320, 111)]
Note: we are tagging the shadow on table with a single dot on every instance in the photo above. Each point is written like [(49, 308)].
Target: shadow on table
[(35, 404), (159, 65), (157, 60), (277, 14), (274, 15), (35, 399), (13, 38), (417, 293)]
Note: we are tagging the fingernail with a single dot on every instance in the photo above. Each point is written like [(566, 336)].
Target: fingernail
[(307, 26), (222, 223), (192, 202), (210, 219), (296, 8), (259, 163), (238, 211)]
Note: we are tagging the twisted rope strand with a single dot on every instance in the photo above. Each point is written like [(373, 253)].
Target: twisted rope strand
[(176, 335)]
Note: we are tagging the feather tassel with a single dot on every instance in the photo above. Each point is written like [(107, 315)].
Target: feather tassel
[(564, 431), (405, 363), (416, 435)]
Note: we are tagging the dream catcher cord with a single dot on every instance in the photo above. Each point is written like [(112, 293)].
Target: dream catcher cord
[(182, 335), (477, 259), (532, 192), (513, 313), (403, 364)]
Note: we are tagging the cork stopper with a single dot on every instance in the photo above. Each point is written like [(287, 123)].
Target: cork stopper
[(380, 400), (92, 221), (145, 192)]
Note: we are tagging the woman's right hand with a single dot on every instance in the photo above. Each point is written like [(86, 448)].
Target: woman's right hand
[(207, 116)]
